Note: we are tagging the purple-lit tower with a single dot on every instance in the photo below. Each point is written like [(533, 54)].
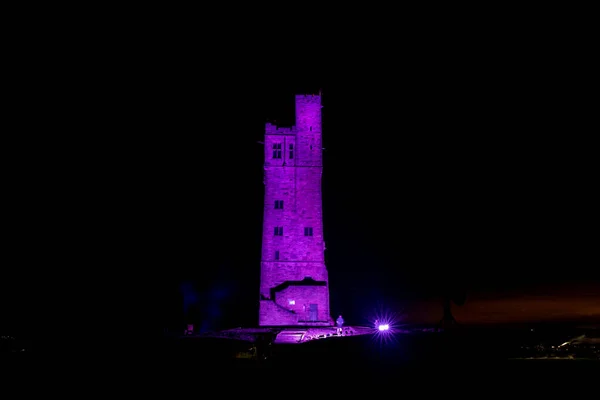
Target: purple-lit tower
[(294, 289)]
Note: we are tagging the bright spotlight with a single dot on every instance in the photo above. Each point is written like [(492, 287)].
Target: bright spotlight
[(386, 325)]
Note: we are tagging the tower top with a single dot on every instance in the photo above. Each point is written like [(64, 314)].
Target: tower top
[(308, 99), (310, 94)]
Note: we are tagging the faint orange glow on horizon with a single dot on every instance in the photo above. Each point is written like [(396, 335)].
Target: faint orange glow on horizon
[(577, 303)]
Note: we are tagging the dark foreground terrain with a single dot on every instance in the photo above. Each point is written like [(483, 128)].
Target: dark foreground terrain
[(461, 361), (475, 362), (456, 348)]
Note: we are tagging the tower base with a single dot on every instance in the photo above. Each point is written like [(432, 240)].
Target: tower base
[(287, 335)]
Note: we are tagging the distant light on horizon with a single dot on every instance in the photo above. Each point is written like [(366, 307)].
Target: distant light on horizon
[(384, 327)]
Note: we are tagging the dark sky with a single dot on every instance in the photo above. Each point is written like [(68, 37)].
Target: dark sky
[(469, 168)]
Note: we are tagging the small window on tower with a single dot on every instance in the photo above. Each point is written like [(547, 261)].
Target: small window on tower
[(278, 231), (291, 151), (279, 204), (277, 254), (276, 150), (308, 231)]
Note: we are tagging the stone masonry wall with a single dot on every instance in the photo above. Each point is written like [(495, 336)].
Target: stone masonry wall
[(293, 241)]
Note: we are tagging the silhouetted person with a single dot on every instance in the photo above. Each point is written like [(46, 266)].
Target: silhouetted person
[(447, 318), (457, 297)]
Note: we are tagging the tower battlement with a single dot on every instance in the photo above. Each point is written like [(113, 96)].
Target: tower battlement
[(271, 129)]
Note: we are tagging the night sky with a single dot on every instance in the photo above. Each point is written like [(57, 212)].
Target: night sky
[(445, 170)]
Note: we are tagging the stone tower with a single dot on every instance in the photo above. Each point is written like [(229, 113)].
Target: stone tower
[(294, 286)]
